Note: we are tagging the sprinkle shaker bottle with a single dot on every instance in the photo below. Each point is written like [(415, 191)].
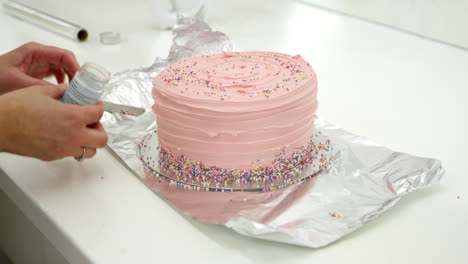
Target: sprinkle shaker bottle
[(87, 85)]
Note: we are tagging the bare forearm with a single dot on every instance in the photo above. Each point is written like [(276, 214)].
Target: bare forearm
[(3, 126)]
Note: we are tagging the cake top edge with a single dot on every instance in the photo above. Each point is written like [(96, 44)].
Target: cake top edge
[(236, 76)]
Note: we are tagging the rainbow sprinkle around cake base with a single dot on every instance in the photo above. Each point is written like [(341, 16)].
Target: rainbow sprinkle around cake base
[(185, 173)]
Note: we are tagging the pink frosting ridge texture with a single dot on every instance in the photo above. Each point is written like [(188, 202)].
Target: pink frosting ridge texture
[(235, 110)]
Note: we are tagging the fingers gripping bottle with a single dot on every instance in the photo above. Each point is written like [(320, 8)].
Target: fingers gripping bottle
[(87, 86)]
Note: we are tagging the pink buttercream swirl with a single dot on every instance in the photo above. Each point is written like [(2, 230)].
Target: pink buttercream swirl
[(235, 110)]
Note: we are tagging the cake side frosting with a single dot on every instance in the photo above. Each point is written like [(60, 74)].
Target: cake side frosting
[(235, 110)]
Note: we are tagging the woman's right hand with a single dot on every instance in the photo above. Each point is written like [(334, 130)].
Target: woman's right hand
[(34, 123)]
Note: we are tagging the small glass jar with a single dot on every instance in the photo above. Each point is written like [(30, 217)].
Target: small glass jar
[(87, 86)]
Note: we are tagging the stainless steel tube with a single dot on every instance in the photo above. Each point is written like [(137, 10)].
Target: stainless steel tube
[(44, 20)]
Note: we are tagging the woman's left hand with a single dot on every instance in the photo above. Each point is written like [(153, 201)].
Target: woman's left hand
[(30, 63)]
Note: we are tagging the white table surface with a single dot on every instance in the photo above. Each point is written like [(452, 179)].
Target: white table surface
[(401, 91)]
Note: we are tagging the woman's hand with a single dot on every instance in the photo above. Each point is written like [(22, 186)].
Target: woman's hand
[(30, 63), (33, 122)]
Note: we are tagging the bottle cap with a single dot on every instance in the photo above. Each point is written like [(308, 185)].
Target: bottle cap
[(110, 38)]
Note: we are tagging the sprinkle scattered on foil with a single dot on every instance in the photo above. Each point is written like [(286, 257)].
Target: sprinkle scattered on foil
[(335, 215), (363, 181)]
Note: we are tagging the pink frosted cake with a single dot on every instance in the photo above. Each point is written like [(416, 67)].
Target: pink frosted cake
[(236, 120)]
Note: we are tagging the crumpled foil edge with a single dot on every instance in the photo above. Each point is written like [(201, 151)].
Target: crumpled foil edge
[(364, 180)]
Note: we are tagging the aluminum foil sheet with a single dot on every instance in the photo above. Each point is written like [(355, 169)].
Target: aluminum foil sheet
[(363, 180)]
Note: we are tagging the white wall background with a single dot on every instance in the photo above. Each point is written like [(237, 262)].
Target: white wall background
[(442, 20)]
